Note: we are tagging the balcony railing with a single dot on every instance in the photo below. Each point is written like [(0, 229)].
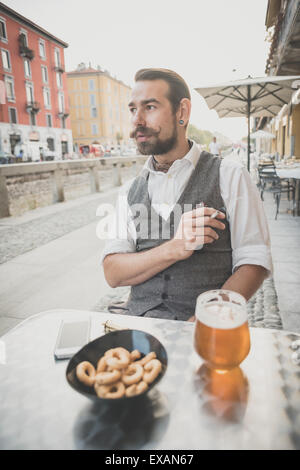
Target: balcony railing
[(24, 50), (63, 114), (33, 106), (59, 68)]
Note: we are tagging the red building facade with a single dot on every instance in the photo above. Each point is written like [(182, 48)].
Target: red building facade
[(34, 111)]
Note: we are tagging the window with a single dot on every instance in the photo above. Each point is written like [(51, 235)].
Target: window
[(50, 142), (32, 118), (91, 85), (56, 57), (59, 79), (94, 129), (48, 120), (94, 112), (23, 38), (27, 68), (42, 49), (12, 115), (61, 102), (9, 85), (47, 99), (3, 33), (29, 92), (92, 100), (77, 85), (44, 74), (6, 60)]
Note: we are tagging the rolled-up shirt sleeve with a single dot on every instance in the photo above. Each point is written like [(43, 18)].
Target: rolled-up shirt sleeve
[(250, 238), (121, 235)]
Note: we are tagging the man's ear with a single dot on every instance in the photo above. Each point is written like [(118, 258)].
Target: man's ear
[(184, 111)]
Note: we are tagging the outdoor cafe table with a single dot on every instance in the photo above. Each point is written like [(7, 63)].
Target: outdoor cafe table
[(39, 409)]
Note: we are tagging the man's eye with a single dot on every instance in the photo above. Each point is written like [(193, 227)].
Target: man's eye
[(150, 106), (132, 110)]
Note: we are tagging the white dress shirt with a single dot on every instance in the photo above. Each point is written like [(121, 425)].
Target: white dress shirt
[(249, 231), (214, 148)]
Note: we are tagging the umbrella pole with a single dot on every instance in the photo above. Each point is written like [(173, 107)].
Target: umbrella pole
[(248, 115)]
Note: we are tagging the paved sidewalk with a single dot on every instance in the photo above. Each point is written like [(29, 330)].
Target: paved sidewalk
[(62, 269), (50, 259), (285, 245)]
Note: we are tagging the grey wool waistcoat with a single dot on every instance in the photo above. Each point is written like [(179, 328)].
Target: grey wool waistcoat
[(178, 286)]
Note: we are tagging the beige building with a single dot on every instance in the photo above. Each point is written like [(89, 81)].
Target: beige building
[(98, 108), (283, 25)]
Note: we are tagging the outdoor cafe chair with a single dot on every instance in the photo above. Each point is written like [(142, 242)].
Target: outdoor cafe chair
[(269, 181)]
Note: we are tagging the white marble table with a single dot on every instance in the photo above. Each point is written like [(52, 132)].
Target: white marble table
[(257, 407)]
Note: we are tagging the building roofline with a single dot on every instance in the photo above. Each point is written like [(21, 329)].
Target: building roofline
[(273, 9), (80, 73), (15, 15)]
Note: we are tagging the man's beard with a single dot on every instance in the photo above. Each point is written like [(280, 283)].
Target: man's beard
[(159, 146)]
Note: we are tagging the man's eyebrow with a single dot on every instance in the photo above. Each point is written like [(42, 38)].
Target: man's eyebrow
[(144, 102)]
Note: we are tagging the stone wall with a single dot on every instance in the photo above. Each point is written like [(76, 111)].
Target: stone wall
[(27, 192), (25, 187)]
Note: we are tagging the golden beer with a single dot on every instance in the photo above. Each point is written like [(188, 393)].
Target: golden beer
[(221, 334)]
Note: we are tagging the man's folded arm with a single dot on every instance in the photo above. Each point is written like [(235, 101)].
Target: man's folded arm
[(128, 269), (246, 279)]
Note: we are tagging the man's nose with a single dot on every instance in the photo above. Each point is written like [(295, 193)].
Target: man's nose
[(138, 119)]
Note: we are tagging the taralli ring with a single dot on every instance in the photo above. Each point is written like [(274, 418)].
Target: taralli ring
[(108, 377), (147, 358), (85, 372), (101, 364), (117, 358), (134, 355), (136, 389), (152, 370), (116, 390), (132, 374)]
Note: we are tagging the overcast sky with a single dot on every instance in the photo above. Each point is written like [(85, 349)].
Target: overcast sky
[(203, 40)]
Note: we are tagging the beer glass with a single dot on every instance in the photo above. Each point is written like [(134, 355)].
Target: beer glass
[(221, 335)]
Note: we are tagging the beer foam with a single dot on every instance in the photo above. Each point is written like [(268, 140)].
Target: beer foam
[(225, 315)]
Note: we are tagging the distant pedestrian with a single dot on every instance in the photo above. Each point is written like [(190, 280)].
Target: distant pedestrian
[(42, 154), (214, 148), (19, 157)]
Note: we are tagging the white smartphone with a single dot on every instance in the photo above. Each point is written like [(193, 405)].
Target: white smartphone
[(72, 336)]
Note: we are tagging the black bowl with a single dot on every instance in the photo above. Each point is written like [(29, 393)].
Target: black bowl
[(128, 339)]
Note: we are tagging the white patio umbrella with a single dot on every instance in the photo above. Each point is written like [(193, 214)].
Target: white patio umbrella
[(262, 135), (250, 97), (259, 136)]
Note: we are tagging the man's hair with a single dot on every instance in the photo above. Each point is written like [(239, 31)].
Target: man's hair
[(178, 88)]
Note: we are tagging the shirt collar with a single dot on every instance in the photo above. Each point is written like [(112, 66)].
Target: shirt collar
[(191, 157)]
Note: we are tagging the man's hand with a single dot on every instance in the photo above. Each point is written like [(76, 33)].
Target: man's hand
[(195, 228)]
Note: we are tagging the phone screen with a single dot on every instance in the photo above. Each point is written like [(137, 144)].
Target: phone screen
[(72, 337)]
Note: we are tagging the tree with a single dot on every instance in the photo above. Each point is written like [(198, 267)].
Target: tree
[(199, 136)]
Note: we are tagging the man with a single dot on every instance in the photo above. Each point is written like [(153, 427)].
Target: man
[(214, 148), (167, 272)]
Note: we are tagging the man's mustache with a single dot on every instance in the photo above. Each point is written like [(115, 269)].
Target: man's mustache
[(146, 131)]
